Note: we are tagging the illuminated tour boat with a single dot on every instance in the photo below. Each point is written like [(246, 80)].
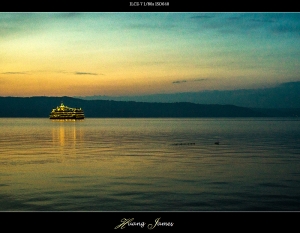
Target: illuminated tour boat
[(63, 112)]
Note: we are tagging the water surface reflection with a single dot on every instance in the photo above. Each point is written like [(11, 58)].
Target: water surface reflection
[(66, 133)]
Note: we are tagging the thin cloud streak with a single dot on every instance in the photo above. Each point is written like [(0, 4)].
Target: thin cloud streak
[(202, 17), (176, 82), (250, 22), (85, 73), (193, 80), (14, 73)]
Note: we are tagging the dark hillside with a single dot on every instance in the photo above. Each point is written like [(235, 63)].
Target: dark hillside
[(42, 106)]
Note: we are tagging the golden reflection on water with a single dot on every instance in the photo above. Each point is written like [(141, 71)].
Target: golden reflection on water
[(67, 134)]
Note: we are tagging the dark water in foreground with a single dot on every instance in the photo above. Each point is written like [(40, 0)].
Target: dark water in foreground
[(150, 164)]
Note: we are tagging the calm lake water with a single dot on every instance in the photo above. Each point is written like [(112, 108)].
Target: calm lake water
[(150, 164)]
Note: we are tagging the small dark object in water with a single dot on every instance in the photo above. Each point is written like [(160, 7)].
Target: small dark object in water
[(217, 143), (190, 143)]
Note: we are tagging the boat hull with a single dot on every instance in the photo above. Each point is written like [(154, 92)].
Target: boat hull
[(62, 118)]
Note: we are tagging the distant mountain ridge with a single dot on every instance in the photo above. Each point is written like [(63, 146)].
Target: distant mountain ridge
[(285, 95), (42, 106)]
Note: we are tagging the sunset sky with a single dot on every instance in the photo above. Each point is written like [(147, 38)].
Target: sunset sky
[(82, 54)]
